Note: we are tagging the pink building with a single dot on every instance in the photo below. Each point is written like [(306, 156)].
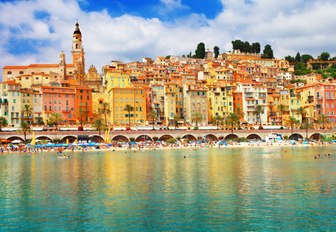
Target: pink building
[(59, 100), (326, 104)]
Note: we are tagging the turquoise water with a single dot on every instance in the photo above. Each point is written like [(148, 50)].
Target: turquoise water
[(245, 189)]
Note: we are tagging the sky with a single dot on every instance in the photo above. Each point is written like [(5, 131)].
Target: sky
[(36, 31)]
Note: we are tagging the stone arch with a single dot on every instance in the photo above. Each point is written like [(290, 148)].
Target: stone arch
[(44, 137), (316, 136), (12, 138), (165, 137), (211, 137), (143, 138), (231, 137), (221, 137), (71, 138), (253, 137), (96, 138), (189, 137), (295, 136), (120, 138)]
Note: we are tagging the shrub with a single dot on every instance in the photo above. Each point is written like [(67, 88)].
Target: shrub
[(171, 140)]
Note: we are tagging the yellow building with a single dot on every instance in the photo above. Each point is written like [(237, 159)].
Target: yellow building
[(133, 96), (11, 103), (172, 102), (115, 78), (294, 105), (220, 100)]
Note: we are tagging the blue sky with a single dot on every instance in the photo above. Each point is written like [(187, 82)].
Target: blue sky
[(154, 8), (36, 31)]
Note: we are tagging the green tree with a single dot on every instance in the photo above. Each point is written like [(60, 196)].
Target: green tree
[(281, 109), (268, 52), (217, 120), (129, 109), (216, 51), (200, 51), (302, 113), (323, 120), (298, 57), (81, 116), (176, 119), (25, 127), (196, 117), (255, 48), (98, 124), (306, 57), (301, 69), (3, 123), (152, 115), (104, 108), (240, 114), (306, 126), (56, 119), (28, 111), (232, 119), (291, 122), (258, 111), (324, 56), (290, 59)]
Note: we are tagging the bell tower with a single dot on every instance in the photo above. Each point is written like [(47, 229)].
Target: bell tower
[(78, 53), (62, 66)]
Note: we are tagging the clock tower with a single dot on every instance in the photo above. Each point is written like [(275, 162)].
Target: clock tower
[(78, 53)]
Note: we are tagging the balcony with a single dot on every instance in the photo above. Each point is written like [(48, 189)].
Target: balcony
[(310, 98)]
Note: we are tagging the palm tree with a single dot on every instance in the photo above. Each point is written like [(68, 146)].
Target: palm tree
[(81, 116), (56, 119), (258, 111), (306, 126), (323, 120), (129, 108), (98, 124), (281, 109), (27, 110), (25, 128), (197, 117), (104, 108), (3, 123), (232, 119), (291, 122), (302, 112), (240, 114), (152, 115), (176, 119), (217, 120)]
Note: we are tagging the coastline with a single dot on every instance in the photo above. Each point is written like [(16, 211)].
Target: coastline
[(154, 146)]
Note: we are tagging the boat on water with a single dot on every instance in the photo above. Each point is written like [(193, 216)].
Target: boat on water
[(63, 157)]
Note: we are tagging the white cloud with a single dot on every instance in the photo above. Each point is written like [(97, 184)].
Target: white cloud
[(288, 25), (169, 5)]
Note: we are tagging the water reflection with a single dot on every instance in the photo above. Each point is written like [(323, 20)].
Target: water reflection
[(215, 189)]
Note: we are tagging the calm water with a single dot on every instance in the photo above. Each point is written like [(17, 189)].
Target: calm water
[(245, 189)]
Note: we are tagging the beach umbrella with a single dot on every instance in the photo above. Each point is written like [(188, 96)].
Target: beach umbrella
[(16, 141), (67, 141)]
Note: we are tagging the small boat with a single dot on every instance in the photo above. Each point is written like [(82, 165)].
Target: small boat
[(63, 157)]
